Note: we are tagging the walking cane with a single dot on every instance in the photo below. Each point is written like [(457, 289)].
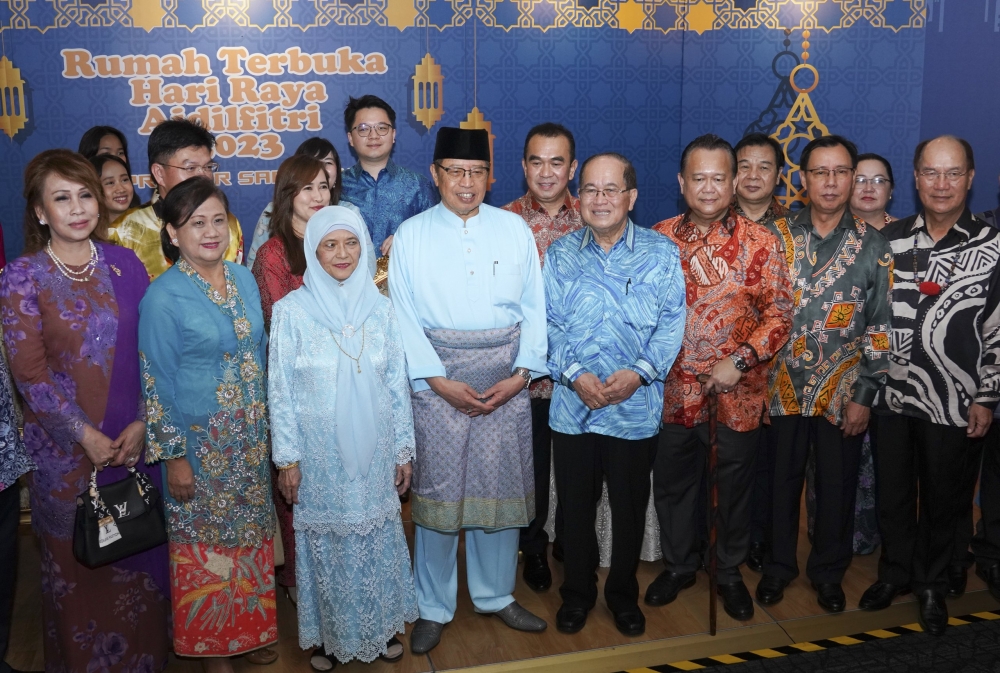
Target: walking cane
[(713, 502)]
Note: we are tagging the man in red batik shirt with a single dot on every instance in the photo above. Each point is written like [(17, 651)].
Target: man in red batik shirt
[(739, 305)]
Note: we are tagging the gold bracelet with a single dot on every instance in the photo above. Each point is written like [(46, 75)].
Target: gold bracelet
[(282, 468)]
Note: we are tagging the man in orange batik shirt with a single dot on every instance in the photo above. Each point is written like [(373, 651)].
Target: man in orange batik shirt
[(739, 306)]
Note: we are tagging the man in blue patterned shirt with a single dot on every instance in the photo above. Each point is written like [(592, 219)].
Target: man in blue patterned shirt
[(615, 306), (386, 194)]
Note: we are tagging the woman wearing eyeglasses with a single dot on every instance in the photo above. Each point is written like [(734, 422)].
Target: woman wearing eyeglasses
[(872, 190)]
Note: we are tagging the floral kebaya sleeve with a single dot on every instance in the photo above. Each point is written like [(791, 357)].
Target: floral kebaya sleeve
[(159, 353), (50, 394)]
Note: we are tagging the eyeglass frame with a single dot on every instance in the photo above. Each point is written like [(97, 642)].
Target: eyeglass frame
[(951, 177), (466, 172), (823, 173), (372, 127), (864, 180), (196, 169), (590, 193)]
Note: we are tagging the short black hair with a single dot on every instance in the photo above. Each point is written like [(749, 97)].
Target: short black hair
[(179, 205), (366, 101), (551, 130), (828, 141), (970, 159), (628, 173), (172, 135), (90, 141), (871, 156), (709, 141), (761, 140)]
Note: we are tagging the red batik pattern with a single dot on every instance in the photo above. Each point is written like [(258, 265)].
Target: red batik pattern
[(739, 301)]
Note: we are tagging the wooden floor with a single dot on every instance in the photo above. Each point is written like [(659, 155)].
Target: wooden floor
[(675, 632)]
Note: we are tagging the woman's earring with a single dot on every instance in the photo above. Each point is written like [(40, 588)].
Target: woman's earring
[(174, 241), (43, 223)]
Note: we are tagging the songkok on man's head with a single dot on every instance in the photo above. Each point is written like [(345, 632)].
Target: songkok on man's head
[(466, 144)]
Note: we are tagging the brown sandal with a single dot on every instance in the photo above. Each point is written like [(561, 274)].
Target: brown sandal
[(261, 657)]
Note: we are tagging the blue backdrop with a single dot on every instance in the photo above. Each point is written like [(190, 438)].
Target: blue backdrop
[(638, 77)]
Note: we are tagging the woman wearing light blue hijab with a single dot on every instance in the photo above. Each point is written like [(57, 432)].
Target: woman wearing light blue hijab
[(342, 439)]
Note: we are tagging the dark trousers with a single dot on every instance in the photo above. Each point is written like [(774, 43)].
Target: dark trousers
[(986, 543), (678, 479), (760, 503), (582, 464), (837, 461), (938, 460), (534, 539), (10, 510)]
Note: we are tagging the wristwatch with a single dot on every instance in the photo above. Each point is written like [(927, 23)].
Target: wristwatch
[(740, 363), (524, 374)]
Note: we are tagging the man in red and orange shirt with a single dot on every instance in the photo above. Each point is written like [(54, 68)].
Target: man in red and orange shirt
[(550, 211), (739, 305)]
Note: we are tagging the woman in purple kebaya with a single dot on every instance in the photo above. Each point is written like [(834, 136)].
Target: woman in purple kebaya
[(70, 322)]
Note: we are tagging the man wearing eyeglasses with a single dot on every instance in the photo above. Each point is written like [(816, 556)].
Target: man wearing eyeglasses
[(466, 284), (178, 149), (823, 382), (385, 193), (943, 382), (550, 211), (739, 306), (615, 306)]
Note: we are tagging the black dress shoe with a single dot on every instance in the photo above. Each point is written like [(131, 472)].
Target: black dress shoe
[(755, 557), (771, 589), (630, 622), (736, 600), (990, 575), (536, 572), (933, 612), (830, 596), (557, 551), (957, 578), (665, 588), (879, 595), (570, 619)]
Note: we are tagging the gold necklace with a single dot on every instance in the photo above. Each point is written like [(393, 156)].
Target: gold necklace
[(357, 360)]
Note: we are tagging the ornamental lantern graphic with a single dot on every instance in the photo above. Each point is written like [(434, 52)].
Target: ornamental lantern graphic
[(12, 114), (428, 92)]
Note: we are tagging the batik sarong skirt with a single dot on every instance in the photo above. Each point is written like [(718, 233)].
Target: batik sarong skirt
[(473, 472), (223, 599)]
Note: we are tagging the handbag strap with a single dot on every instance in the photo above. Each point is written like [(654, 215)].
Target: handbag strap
[(146, 488)]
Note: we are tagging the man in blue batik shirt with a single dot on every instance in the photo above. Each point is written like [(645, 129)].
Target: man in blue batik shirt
[(386, 194), (615, 308)]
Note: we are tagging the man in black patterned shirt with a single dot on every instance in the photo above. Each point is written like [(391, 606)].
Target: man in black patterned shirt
[(943, 382)]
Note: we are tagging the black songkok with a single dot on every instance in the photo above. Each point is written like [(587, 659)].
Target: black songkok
[(466, 144)]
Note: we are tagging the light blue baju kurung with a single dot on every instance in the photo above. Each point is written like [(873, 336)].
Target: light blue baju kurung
[(353, 567), (475, 275)]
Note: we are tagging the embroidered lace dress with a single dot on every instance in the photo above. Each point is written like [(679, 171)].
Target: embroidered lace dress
[(352, 568)]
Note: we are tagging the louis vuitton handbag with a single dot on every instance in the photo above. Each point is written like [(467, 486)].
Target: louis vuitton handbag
[(117, 521)]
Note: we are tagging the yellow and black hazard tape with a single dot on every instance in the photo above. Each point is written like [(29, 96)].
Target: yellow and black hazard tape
[(815, 646)]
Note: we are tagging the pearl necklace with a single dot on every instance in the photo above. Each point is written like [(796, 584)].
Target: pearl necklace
[(81, 276)]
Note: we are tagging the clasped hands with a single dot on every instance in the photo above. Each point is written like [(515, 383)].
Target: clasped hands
[(466, 399), (613, 390)]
